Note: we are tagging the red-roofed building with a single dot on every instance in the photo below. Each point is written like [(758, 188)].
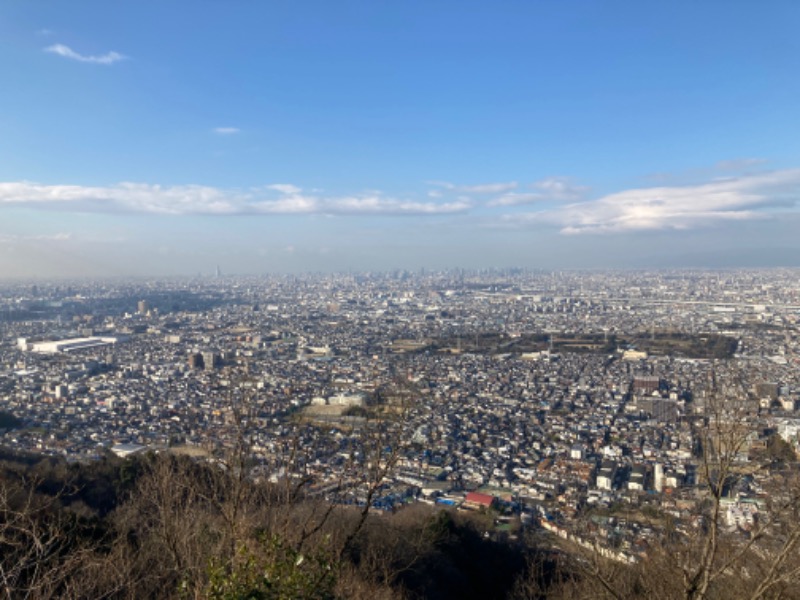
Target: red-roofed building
[(476, 500)]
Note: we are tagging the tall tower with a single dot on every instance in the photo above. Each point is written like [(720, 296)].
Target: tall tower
[(658, 478), (218, 272)]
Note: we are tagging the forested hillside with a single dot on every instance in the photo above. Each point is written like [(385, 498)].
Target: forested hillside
[(159, 526), (164, 526)]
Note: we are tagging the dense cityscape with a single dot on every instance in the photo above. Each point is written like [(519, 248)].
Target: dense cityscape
[(399, 300), (547, 397)]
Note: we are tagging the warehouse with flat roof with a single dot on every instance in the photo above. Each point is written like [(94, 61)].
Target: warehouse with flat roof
[(69, 345)]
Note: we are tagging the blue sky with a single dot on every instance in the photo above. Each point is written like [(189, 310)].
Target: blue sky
[(168, 137)]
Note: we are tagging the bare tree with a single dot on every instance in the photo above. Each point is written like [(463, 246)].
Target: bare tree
[(39, 552), (707, 557)]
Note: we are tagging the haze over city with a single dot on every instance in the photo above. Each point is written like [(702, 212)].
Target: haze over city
[(144, 138)]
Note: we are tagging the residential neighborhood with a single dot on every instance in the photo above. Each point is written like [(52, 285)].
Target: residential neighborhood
[(574, 402)]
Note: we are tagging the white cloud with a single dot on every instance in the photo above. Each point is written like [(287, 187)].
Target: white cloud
[(685, 207), (289, 205), (108, 58), (127, 197), (226, 130), (355, 205), (551, 188), (379, 205), (488, 188), (285, 188), (560, 188), (744, 197), (485, 188), (206, 200)]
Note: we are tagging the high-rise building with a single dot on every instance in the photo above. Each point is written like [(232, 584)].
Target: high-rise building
[(142, 307), (658, 480), (196, 361), (211, 360)]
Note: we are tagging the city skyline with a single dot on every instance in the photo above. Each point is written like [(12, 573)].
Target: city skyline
[(143, 139)]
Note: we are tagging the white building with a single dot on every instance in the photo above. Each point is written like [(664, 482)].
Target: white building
[(347, 400), (70, 345)]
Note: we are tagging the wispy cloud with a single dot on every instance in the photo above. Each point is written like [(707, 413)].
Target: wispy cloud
[(285, 188), (205, 200), (739, 164), (109, 58), (697, 175), (559, 188), (753, 196), (226, 130), (679, 207), (480, 189), (552, 188)]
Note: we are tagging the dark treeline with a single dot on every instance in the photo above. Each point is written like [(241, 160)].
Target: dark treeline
[(162, 526), (165, 526)]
